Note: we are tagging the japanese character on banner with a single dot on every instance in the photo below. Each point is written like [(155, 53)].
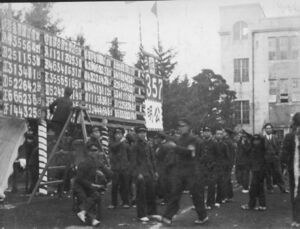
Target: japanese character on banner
[(149, 113), (157, 114)]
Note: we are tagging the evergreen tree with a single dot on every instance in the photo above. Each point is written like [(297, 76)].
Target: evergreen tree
[(142, 62), (165, 64), (39, 17), (114, 50)]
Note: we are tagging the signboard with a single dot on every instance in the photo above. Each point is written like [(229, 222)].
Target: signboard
[(153, 115), (21, 75), (97, 83), (62, 68), (36, 67), (124, 91)]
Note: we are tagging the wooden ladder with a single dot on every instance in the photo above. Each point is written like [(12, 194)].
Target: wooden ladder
[(80, 112)]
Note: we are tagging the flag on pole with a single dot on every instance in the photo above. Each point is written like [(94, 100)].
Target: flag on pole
[(154, 9)]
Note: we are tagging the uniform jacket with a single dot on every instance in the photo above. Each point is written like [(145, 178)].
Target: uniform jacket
[(288, 151), (165, 157), (119, 155), (223, 155), (86, 172), (208, 154), (143, 159), (184, 156), (63, 108), (257, 157), (243, 153), (272, 148)]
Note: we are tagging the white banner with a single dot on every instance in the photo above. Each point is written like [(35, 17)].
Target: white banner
[(153, 115)]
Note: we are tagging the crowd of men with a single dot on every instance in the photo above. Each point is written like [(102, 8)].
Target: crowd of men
[(142, 170)]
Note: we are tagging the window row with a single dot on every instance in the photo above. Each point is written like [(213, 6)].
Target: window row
[(284, 47)]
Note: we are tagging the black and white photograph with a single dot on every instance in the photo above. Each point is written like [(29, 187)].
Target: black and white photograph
[(150, 114)]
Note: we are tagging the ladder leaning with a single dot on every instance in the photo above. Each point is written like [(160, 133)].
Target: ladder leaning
[(80, 112)]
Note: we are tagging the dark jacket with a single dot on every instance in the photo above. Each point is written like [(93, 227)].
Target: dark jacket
[(208, 154), (288, 151), (86, 172), (184, 157), (119, 155), (63, 108), (272, 148), (231, 149), (223, 159), (257, 157), (243, 152), (143, 159), (165, 157)]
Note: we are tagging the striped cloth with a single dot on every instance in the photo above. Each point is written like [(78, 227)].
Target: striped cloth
[(296, 166), (105, 141)]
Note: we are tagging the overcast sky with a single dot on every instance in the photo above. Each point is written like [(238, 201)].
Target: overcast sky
[(189, 26)]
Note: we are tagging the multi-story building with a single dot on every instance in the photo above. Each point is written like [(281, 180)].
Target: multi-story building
[(261, 62)]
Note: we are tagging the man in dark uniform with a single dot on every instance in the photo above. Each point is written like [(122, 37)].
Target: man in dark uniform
[(243, 161), (145, 175), (257, 161), (165, 160), (63, 107), (231, 149), (95, 139), (185, 175), (210, 170), (291, 157), (85, 186), (272, 157), (119, 160)]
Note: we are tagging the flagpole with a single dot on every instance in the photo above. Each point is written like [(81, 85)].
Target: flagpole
[(157, 21), (140, 28)]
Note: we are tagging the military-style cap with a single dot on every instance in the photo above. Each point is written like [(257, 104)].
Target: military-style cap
[(95, 128), (118, 130), (92, 147), (206, 128), (161, 135), (183, 121), (229, 131), (140, 129)]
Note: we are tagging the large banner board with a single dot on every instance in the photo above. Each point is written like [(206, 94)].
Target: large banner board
[(35, 68)]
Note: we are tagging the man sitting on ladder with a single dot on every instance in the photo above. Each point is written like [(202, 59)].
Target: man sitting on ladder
[(63, 109)]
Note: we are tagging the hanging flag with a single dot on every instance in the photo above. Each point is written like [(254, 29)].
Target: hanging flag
[(154, 9)]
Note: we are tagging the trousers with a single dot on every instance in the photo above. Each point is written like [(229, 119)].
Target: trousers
[(184, 179), (120, 184), (257, 189), (145, 197)]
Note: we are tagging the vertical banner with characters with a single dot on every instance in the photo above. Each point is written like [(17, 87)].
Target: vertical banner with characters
[(153, 102)]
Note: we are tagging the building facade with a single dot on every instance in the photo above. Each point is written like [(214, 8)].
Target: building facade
[(260, 60)]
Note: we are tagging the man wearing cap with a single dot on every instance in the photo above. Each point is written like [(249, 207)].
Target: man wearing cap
[(243, 160), (185, 176), (165, 161), (95, 139), (291, 157), (145, 174), (231, 149), (272, 157), (85, 186), (209, 156), (119, 160), (61, 109)]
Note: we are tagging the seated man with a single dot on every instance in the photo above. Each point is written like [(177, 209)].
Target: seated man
[(85, 187)]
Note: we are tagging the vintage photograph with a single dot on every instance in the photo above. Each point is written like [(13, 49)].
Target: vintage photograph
[(150, 114)]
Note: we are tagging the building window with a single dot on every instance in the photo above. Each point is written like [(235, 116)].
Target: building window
[(241, 70), (283, 89), (283, 48), (240, 31), (294, 47), (272, 48), (242, 112)]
